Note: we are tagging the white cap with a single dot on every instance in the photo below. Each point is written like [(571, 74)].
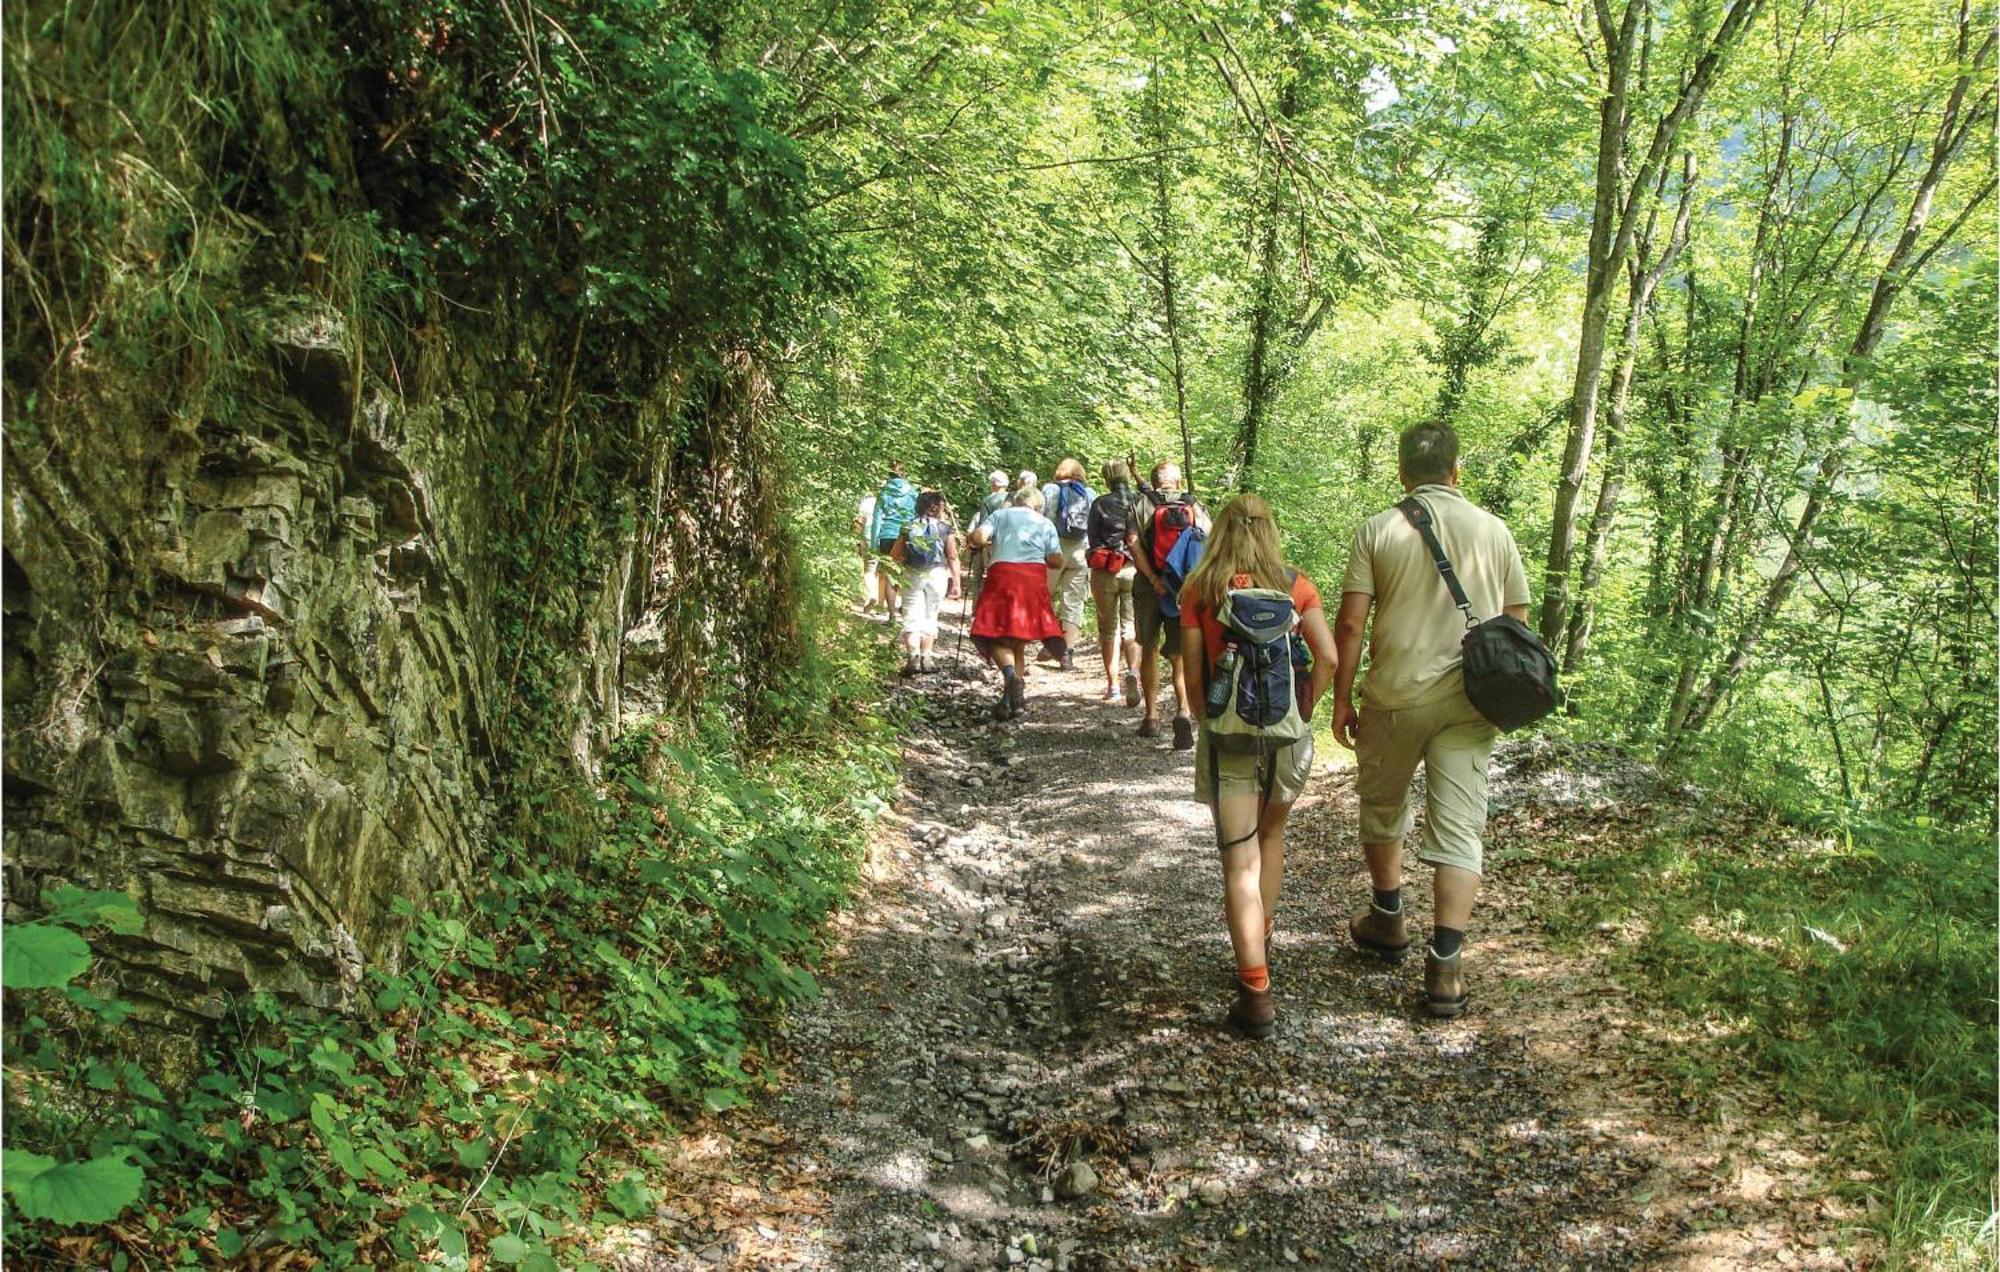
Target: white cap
[(996, 478)]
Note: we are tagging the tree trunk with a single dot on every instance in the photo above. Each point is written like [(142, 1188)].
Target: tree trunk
[(1466, 347), (1833, 728), (1163, 230), (1614, 222), (1257, 380), (1601, 274), (1645, 280), (1700, 577), (1955, 126)]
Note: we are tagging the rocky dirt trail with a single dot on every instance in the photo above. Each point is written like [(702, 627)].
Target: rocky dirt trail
[(1019, 1058)]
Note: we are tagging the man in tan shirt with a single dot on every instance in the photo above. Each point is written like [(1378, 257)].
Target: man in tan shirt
[(1414, 705)]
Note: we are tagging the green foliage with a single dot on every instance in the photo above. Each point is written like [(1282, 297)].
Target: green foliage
[(42, 956), (1858, 973), (71, 1193)]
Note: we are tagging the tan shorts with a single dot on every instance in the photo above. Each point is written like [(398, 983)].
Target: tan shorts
[(1154, 629), (1244, 774), (1112, 595), (1453, 742)]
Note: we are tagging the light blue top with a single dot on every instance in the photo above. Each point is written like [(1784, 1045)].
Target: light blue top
[(1021, 535)]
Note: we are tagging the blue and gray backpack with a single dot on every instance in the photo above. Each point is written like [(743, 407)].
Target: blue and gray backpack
[(1253, 698), (924, 547)]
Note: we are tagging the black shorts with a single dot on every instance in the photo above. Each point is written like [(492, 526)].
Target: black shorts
[(884, 546), (1154, 629)]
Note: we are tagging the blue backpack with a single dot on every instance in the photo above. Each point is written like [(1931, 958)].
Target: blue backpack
[(1253, 697), (1181, 560), (925, 546), (895, 508), (1072, 516)]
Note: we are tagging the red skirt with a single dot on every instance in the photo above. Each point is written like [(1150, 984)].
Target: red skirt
[(1014, 605)]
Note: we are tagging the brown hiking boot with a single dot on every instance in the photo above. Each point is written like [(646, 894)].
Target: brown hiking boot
[(1444, 985), (1380, 932), (1149, 728), (1255, 1013)]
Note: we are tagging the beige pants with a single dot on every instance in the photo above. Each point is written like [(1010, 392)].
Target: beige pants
[(1453, 742), (1112, 594), (1069, 586)]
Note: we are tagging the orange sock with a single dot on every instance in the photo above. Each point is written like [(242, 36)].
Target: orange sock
[(1257, 978)]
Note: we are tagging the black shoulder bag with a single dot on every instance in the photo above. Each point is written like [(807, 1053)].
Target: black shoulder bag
[(1509, 675)]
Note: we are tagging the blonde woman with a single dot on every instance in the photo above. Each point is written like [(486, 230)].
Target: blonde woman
[(1256, 792)]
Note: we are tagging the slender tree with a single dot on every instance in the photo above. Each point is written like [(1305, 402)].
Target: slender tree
[(1621, 189)]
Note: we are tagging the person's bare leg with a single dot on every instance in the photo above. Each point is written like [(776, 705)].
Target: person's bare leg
[(1385, 865), (1242, 884), (1149, 686), (1455, 890), (1182, 707), (1271, 852)]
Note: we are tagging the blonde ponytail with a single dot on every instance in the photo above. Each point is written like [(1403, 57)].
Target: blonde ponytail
[(1243, 541)]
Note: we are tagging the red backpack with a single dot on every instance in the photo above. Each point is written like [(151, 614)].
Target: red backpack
[(1170, 520)]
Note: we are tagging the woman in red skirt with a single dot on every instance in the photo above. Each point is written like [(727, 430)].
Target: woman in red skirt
[(1014, 604)]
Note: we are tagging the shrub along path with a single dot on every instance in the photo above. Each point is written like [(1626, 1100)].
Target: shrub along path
[(1019, 1057)]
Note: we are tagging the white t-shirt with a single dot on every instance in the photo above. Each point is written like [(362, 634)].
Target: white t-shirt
[(866, 512)]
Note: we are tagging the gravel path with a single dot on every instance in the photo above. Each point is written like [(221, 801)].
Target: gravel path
[(1020, 1059)]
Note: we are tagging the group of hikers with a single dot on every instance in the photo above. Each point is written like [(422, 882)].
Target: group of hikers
[(1251, 652)]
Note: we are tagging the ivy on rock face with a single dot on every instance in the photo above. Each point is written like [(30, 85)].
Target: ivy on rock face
[(501, 1100)]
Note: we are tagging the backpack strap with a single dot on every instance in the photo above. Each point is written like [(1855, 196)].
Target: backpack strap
[(1420, 517)]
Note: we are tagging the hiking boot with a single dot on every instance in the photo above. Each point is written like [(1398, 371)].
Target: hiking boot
[(1149, 728), (1444, 984), (909, 668), (1017, 696), (1111, 697), (1255, 1014), (1183, 734), (1380, 932), (1068, 662), (1003, 710), (1131, 689)]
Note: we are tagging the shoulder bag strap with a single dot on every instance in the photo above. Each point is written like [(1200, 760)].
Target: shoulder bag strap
[(1420, 517)]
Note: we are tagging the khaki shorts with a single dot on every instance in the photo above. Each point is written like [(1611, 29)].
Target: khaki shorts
[(1244, 774), (1453, 742), (1153, 629), (1112, 595)]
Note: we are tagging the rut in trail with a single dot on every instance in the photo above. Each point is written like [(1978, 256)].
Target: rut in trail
[(1020, 1059)]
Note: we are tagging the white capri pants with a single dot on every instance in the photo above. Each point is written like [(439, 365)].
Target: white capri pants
[(923, 599), (1069, 586)]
